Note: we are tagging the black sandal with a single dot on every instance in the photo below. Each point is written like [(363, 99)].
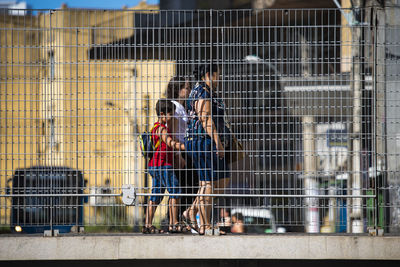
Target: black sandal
[(153, 230), (145, 230), (201, 233), (191, 224), (177, 229), (204, 230), (172, 229)]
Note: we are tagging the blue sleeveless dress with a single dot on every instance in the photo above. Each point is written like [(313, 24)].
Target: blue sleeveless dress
[(198, 143)]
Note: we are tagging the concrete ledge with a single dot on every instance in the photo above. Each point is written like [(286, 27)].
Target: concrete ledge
[(106, 247)]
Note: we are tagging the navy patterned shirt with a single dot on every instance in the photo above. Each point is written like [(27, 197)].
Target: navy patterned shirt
[(195, 128)]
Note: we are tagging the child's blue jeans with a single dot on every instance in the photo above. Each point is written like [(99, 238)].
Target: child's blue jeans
[(163, 177)]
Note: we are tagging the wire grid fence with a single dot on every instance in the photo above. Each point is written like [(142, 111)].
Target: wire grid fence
[(304, 92)]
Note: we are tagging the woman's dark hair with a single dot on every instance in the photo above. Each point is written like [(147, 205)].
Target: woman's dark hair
[(165, 106), (175, 85), (201, 70)]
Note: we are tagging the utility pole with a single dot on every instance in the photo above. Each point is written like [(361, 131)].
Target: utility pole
[(356, 73)]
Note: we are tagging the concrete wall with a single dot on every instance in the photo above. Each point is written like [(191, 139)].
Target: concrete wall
[(197, 247)]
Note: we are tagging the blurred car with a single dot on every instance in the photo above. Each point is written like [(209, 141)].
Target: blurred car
[(258, 220)]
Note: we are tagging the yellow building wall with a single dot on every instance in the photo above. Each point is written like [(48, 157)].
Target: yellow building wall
[(98, 105), (95, 108), (346, 40), (19, 98), (103, 115)]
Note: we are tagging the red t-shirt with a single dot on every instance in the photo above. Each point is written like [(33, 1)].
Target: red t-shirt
[(163, 156)]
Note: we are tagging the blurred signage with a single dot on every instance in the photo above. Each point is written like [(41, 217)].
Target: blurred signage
[(331, 147), (336, 137)]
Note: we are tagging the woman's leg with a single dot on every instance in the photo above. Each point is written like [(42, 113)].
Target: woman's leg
[(191, 212), (189, 215), (194, 159), (206, 201), (173, 203), (213, 168), (203, 205)]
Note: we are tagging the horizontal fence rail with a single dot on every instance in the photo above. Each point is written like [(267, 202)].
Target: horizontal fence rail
[(191, 195), (272, 121)]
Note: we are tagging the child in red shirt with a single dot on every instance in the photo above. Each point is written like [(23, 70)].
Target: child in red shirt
[(160, 168)]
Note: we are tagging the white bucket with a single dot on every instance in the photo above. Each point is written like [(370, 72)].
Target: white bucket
[(358, 227)]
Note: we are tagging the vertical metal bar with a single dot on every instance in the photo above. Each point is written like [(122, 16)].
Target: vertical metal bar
[(381, 106), (356, 72), (77, 105), (211, 113), (52, 118), (374, 26)]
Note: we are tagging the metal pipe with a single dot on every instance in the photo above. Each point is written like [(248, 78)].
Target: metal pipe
[(261, 195), (210, 195), (62, 195)]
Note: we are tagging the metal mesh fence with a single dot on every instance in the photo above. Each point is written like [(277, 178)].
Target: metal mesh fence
[(300, 102)]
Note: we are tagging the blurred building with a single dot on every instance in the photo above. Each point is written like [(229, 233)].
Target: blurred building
[(242, 4), (15, 8)]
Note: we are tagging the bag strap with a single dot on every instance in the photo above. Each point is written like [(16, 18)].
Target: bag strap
[(154, 128)]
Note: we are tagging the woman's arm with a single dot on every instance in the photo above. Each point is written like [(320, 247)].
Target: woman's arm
[(203, 109), (168, 139)]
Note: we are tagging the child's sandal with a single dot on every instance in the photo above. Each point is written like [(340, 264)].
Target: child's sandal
[(145, 230), (154, 230)]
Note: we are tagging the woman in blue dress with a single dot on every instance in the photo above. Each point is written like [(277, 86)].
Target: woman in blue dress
[(207, 136)]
